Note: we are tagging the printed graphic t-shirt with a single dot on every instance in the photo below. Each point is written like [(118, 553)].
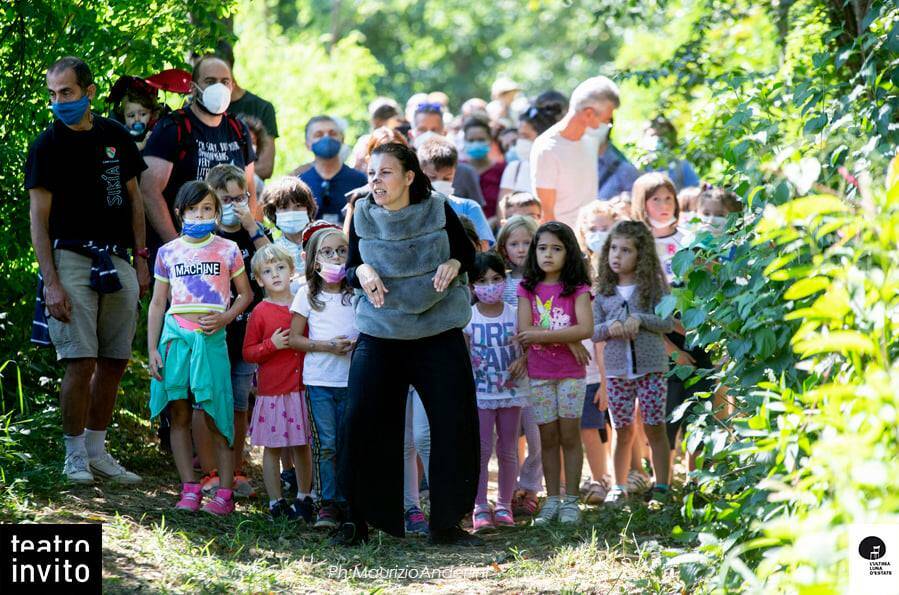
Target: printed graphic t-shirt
[(86, 173), (199, 273), (553, 311), (492, 352)]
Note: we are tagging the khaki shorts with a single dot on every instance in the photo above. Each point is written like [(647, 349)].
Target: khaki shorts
[(101, 325)]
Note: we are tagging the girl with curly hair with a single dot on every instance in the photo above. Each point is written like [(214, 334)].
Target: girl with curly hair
[(630, 284)]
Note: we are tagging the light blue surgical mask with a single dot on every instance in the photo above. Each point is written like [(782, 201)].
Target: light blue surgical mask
[(198, 228), (477, 150), (229, 217), (291, 221)]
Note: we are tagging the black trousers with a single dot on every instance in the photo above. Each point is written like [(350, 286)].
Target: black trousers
[(370, 468)]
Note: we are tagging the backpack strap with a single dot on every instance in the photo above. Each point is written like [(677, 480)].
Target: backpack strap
[(236, 126), (182, 132)]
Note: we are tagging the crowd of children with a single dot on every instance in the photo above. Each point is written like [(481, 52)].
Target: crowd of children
[(569, 358)]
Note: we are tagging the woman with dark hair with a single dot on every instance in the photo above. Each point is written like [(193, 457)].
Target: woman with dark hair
[(408, 258)]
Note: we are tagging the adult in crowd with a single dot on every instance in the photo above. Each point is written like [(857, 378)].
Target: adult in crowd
[(478, 144), (615, 173), (408, 255), (660, 143), (382, 112), (427, 123), (531, 123), (86, 214), (246, 103), (189, 142), (329, 178), (563, 160), (503, 92)]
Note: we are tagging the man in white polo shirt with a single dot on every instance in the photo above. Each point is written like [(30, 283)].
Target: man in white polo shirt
[(563, 159)]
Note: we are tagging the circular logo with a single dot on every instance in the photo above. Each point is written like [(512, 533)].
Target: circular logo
[(872, 548)]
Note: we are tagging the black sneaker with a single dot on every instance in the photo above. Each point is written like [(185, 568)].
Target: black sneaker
[(454, 536), (303, 509), (280, 509), (348, 535), (289, 482)]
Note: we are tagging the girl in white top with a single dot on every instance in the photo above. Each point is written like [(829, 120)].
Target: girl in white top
[(654, 202), (325, 305)]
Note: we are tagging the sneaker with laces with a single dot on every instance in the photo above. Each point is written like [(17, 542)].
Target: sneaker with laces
[(616, 497), (482, 521), (416, 523), (210, 483), (77, 469), (549, 512), (191, 496), (107, 467), (569, 511), (242, 487), (222, 504), (279, 510), (328, 517), (303, 509), (502, 517), (638, 482), (596, 491)]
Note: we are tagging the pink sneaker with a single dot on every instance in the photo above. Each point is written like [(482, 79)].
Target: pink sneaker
[(482, 520), (503, 518), (191, 495), (222, 504)]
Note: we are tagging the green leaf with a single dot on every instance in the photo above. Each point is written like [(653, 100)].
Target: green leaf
[(835, 342), (693, 318), (806, 287), (765, 343), (682, 262), (666, 306)]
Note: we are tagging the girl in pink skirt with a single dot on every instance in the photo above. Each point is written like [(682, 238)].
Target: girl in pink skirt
[(279, 417)]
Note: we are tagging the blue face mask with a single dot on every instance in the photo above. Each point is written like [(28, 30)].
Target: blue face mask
[(326, 147), (198, 228), (229, 217), (511, 154), (477, 150), (71, 112)]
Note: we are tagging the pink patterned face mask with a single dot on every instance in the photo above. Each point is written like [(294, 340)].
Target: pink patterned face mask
[(332, 273), (490, 294)]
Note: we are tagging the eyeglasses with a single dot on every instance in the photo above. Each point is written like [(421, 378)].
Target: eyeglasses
[(330, 252), (239, 199)]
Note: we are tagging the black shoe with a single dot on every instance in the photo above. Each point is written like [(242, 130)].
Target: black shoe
[(289, 482), (303, 509), (454, 536), (280, 509), (348, 535), (165, 442)]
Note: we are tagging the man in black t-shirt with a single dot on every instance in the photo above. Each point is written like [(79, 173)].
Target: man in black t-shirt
[(86, 213), (187, 143), (244, 102)]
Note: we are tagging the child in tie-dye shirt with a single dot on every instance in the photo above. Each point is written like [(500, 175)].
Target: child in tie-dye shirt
[(188, 356)]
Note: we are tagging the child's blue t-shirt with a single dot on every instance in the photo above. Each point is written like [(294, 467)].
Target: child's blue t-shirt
[(472, 210)]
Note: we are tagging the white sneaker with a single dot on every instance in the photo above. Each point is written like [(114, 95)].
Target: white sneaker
[(616, 497), (549, 512), (569, 511), (107, 467), (76, 468)]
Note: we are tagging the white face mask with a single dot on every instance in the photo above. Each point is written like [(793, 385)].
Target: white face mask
[(216, 98), (596, 240), (443, 187), (713, 224), (662, 224), (523, 148), (291, 221), (600, 133)]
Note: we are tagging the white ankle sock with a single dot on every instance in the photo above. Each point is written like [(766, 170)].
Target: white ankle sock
[(95, 443), (75, 444)]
